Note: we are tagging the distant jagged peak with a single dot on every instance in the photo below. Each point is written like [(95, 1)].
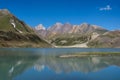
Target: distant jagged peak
[(76, 25), (67, 23), (91, 25), (85, 23), (58, 24), (4, 11), (40, 27)]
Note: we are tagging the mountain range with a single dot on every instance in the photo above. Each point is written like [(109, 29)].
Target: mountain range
[(67, 28), (83, 35), (16, 33)]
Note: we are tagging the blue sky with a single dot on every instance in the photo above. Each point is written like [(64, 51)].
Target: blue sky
[(105, 13)]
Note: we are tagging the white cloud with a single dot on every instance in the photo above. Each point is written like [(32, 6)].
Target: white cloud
[(107, 8)]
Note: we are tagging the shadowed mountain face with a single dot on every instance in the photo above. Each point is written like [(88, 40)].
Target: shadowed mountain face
[(15, 33)]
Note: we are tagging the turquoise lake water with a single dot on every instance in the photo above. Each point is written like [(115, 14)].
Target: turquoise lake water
[(44, 64)]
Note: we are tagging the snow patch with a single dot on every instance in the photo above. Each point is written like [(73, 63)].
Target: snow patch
[(14, 26), (40, 27)]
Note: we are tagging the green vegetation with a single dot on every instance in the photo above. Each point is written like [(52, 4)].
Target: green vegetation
[(101, 31), (66, 40), (92, 54), (22, 26), (95, 44), (5, 23)]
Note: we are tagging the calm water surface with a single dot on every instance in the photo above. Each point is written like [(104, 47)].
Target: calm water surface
[(44, 64)]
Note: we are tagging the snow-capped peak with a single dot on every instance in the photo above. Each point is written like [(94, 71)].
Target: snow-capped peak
[(59, 24), (40, 27)]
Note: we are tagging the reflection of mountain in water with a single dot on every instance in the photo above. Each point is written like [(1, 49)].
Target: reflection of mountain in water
[(12, 64), (85, 64), (15, 62)]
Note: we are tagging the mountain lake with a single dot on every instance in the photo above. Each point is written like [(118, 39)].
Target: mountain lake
[(46, 64)]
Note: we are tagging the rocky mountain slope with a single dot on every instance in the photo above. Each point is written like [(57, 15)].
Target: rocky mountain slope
[(109, 39), (84, 35), (66, 34), (15, 33)]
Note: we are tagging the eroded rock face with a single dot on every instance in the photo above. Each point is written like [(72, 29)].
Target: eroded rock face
[(109, 39)]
